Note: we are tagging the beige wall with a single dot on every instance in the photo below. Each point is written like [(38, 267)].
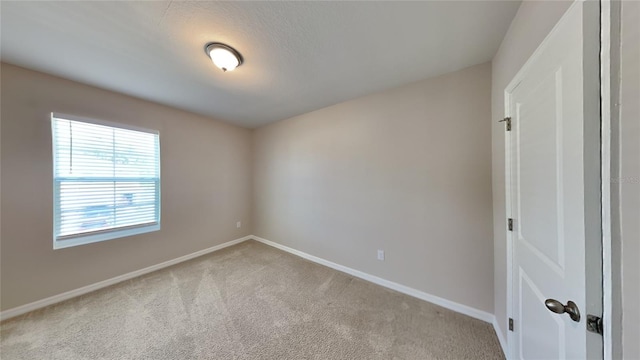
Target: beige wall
[(206, 186), (533, 21), (630, 177), (405, 170)]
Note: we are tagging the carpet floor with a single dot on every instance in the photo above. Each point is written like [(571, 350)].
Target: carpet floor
[(249, 301)]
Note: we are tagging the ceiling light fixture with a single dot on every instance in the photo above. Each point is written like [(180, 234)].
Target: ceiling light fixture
[(223, 56)]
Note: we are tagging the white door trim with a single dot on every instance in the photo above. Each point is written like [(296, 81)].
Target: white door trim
[(605, 170), (609, 73)]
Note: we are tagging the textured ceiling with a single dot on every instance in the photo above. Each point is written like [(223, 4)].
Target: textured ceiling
[(299, 56)]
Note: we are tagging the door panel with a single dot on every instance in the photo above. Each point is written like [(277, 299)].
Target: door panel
[(540, 344), (539, 168)]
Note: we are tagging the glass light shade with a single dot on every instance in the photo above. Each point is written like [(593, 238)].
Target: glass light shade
[(224, 59)]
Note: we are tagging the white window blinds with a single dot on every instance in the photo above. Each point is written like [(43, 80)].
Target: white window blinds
[(106, 181)]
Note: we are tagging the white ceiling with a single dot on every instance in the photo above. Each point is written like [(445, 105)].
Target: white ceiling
[(299, 56)]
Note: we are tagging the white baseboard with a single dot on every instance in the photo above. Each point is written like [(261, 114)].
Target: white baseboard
[(463, 309), (7, 314), (501, 339)]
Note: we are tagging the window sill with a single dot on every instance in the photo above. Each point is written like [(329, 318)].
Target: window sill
[(103, 236)]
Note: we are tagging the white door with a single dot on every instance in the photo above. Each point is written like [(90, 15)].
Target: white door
[(548, 176)]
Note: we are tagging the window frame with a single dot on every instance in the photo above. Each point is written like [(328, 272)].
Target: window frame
[(65, 241)]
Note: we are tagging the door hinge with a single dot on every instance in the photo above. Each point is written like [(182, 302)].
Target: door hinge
[(510, 224), (594, 324), (510, 324), (508, 121)]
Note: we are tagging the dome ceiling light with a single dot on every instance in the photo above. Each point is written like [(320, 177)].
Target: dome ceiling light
[(223, 56)]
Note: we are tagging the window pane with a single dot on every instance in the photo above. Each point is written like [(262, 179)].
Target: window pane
[(86, 149), (105, 178), (91, 206), (134, 154)]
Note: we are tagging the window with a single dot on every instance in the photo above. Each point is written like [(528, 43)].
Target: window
[(106, 180)]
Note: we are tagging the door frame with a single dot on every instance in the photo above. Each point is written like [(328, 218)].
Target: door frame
[(605, 29), (610, 27)]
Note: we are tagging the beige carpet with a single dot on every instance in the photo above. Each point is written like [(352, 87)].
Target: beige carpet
[(249, 301)]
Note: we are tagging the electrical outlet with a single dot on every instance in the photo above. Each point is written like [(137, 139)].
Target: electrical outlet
[(381, 255), (239, 224)]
